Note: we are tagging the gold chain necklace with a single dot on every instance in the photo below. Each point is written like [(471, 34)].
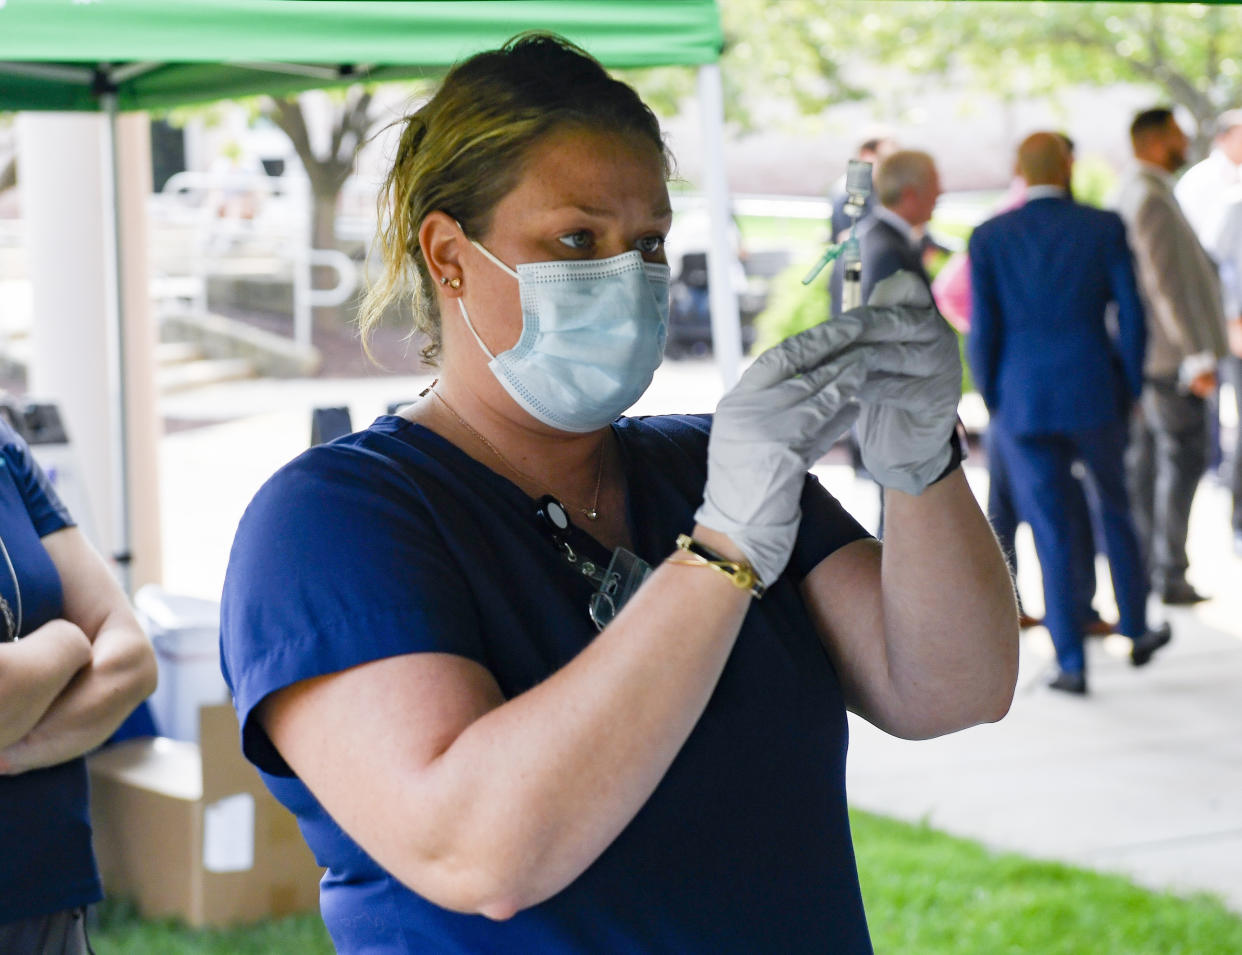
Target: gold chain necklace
[(590, 513)]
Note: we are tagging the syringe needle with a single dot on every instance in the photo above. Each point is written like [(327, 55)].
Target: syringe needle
[(829, 254)]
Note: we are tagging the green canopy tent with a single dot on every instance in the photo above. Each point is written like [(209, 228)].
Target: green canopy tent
[(75, 54), (117, 55)]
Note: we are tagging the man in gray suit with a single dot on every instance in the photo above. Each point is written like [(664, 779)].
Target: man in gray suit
[(1186, 337)]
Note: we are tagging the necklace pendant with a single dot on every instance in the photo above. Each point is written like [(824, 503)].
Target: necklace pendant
[(592, 514)]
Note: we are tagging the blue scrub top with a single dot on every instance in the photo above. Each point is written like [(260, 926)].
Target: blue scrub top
[(45, 830), (393, 541)]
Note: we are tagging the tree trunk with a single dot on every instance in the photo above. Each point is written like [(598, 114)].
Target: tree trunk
[(327, 175), (327, 318)]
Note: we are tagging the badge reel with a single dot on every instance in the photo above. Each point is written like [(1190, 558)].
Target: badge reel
[(614, 585)]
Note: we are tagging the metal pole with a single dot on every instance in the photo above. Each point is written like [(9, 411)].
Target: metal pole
[(302, 293), (721, 256), (116, 348)]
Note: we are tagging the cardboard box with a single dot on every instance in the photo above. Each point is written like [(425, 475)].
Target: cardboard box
[(189, 830)]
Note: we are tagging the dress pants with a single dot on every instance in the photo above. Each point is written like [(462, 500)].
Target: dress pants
[(1167, 457), (1041, 475), (1003, 515)]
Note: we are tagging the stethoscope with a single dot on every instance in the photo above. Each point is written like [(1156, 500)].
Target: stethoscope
[(14, 630)]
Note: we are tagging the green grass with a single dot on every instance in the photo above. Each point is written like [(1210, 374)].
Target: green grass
[(925, 892), (120, 931), (929, 893)]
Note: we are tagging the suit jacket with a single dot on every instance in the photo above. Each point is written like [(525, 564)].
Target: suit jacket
[(1179, 280), (884, 251), (1043, 278)]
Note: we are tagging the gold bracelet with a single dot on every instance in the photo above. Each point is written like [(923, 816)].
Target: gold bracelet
[(739, 572)]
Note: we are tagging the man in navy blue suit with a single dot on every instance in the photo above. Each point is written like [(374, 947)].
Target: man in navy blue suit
[(1059, 386)]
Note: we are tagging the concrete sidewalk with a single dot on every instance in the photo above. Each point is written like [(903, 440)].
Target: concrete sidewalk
[(1142, 777)]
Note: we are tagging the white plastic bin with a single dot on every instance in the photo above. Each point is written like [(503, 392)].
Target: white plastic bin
[(185, 633)]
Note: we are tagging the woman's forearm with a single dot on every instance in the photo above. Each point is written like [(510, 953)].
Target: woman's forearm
[(33, 673), (511, 800), (119, 674), (576, 757), (950, 619)]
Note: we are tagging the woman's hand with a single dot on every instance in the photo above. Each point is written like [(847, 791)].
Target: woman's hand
[(782, 415), (909, 404), (789, 408)]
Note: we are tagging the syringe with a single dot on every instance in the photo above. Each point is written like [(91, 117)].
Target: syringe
[(857, 189)]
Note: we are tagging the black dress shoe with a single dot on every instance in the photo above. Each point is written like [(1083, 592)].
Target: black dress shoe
[(1146, 645), (1180, 594), (1075, 683)]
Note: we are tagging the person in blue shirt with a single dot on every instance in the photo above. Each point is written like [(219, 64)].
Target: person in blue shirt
[(74, 662), (425, 626)]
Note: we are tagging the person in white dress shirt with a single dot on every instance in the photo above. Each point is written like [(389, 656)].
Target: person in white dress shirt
[(1210, 194)]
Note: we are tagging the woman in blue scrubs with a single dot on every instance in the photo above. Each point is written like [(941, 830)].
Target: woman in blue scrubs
[(74, 662), (488, 747)]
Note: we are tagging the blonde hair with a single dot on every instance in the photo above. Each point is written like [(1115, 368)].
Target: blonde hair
[(465, 149)]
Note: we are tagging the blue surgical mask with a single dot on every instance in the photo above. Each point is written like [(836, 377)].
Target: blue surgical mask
[(593, 333)]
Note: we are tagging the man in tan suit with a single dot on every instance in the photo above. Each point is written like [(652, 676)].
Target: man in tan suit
[(1186, 337)]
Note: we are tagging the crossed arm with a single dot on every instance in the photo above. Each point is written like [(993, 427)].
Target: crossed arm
[(66, 687)]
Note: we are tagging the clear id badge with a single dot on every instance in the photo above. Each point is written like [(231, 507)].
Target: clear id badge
[(624, 575)]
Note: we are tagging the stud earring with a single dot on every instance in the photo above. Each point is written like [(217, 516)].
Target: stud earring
[(453, 282)]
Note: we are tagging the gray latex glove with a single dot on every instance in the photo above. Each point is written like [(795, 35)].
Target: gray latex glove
[(909, 403), (783, 414)]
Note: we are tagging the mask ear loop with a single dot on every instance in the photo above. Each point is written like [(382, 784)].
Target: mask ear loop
[(479, 245), (461, 307), (461, 304)]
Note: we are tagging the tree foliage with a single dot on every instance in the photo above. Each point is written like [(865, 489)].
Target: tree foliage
[(327, 170), (816, 53)]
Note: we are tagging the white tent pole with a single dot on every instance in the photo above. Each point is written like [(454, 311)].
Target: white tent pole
[(726, 324), (65, 210), (116, 348)]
